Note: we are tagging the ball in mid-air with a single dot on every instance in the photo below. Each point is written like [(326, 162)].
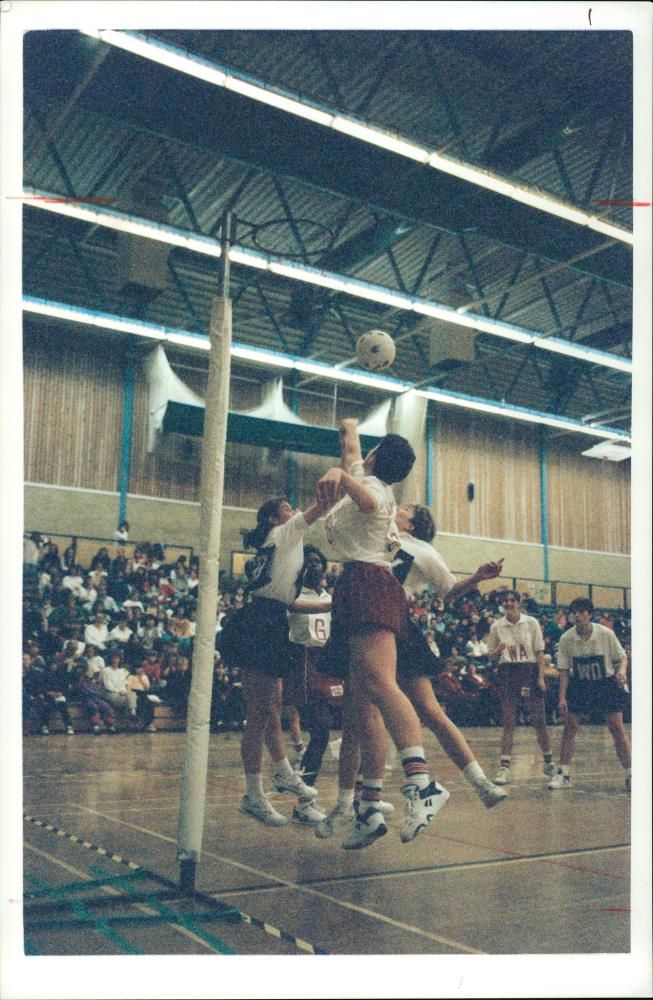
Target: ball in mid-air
[(375, 350)]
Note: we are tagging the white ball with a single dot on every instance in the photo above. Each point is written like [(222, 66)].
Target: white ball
[(375, 350)]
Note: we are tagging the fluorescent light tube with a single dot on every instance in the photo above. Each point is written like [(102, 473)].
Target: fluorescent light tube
[(377, 137), (326, 279), (585, 353), (187, 62)]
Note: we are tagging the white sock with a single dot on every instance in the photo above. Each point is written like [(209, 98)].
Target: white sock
[(283, 768), (346, 798), (254, 784), (474, 773)]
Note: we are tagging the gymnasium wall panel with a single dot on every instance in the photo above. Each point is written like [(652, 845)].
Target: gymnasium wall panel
[(589, 502), (73, 414), (500, 460)]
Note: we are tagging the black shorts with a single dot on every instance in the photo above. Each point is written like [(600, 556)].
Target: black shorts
[(256, 636), (604, 696), (414, 656)]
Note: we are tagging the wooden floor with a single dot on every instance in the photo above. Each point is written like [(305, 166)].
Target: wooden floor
[(544, 873)]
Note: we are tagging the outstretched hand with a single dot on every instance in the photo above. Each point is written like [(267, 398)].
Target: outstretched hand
[(490, 570), (329, 488)]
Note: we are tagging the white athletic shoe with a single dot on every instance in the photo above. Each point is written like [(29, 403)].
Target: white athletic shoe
[(338, 820), (70, 731), (151, 728), (502, 776), (422, 806), (559, 781), (45, 731), (490, 795), (550, 769), (261, 810), (294, 786), (96, 730), (306, 814), (369, 826)]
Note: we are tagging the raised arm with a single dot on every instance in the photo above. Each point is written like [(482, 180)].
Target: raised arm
[(488, 571), (350, 444)]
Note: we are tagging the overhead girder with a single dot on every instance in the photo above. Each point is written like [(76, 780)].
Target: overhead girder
[(225, 123)]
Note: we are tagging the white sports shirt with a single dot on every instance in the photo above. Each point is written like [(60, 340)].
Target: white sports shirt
[(590, 659), (310, 629), (363, 537), (417, 566), (280, 561), (523, 639)]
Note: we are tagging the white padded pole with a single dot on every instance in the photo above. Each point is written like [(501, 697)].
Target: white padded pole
[(195, 766)]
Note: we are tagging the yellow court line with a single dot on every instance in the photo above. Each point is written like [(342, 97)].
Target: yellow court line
[(304, 889)]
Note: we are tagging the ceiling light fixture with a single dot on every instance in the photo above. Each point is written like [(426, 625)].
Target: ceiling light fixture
[(186, 62), (303, 272), (268, 358)]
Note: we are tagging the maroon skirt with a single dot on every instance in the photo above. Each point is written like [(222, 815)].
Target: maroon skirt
[(368, 596)]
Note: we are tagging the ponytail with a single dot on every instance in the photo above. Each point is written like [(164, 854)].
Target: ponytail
[(254, 539)]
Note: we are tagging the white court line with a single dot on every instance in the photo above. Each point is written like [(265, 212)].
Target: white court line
[(115, 892), (304, 889)]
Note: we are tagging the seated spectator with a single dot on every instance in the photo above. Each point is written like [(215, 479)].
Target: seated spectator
[(117, 585), (74, 581), (486, 705), (93, 700), (122, 632), (94, 662), (451, 695), (193, 582), (138, 683), (97, 633), (115, 691), (149, 633), (101, 561), (178, 688), (552, 681), (476, 648), (56, 688), (33, 694), (180, 580), (153, 669), (121, 534)]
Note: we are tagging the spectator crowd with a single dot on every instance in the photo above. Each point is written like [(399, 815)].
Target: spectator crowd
[(116, 638)]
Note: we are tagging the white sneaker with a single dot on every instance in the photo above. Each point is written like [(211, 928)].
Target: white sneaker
[(96, 730), (70, 731), (45, 731), (490, 795), (306, 814), (294, 786), (338, 820), (422, 806), (550, 769), (559, 781), (261, 810), (369, 826), (502, 776), (151, 728)]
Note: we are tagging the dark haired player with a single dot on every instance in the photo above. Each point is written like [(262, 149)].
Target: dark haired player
[(592, 665)]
